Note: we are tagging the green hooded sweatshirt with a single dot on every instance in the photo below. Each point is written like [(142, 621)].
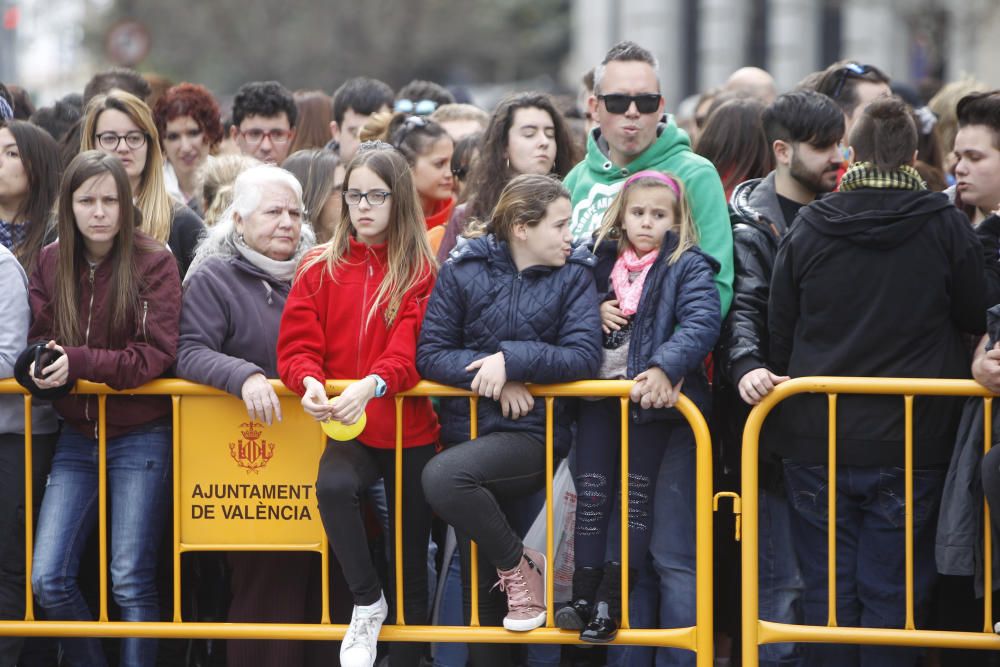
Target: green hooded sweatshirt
[(595, 181)]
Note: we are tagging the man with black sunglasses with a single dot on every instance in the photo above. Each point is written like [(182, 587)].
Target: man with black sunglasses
[(633, 134)]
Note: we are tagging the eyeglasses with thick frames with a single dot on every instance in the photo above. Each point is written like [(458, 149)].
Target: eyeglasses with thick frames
[(373, 197), (110, 141), (256, 136), (847, 71), (618, 103)]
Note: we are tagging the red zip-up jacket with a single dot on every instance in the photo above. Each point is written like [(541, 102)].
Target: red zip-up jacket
[(323, 335), (148, 353)]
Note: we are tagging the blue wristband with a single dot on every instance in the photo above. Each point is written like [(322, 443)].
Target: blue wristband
[(379, 385)]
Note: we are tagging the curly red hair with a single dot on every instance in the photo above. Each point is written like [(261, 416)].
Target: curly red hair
[(190, 99)]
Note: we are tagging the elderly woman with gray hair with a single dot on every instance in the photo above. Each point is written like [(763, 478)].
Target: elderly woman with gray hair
[(234, 293)]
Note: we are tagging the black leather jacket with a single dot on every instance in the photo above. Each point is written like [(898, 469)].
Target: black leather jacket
[(758, 225)]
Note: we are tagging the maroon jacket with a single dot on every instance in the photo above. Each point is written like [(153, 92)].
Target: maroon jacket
[(148, 354)]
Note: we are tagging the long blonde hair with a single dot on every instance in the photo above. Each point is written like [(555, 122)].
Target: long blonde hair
[(612, 226), (151, 196), (409, 254)]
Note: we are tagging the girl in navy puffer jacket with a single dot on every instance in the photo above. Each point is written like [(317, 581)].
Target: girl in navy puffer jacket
[(517, 305), (660, 320)]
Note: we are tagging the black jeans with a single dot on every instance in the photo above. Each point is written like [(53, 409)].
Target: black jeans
[(474, 486), (12, 526), (346, 471)]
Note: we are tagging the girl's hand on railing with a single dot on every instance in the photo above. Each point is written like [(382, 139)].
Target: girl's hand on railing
[(515, 400), (492, 375), (653, 389), (314, 400), (350, 405), (55, 374)]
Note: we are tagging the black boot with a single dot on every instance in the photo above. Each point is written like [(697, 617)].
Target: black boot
[(585, 582), (603, 625)]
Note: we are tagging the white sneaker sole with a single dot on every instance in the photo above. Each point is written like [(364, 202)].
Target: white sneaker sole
[(526, 624)]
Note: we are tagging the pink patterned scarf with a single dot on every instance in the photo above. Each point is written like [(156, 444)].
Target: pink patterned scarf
[(629, 293)]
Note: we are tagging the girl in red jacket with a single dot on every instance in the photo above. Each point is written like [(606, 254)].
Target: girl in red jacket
[(355, 311), (106, 299)]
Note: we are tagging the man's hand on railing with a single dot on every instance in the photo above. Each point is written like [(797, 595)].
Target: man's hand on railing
[(758, 383), (986, 365), (261, 401)]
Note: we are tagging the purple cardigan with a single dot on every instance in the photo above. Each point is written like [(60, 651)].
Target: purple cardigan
[(229, 323)]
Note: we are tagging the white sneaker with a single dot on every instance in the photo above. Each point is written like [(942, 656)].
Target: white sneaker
[(361, 639)]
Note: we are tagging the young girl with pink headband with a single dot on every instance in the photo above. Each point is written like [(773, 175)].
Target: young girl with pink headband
[(661, 317)]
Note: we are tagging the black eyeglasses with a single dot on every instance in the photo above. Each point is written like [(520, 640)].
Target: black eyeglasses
[(110, 141), (373, 197), (847, 71), (618, 103)]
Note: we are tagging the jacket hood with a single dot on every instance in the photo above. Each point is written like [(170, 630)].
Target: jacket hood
[(670, 141), (491, 249), (874, 218)]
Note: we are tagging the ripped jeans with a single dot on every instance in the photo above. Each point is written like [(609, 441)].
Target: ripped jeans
[(598, 458)]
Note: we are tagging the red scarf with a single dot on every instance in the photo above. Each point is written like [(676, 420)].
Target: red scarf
[(629, 293)]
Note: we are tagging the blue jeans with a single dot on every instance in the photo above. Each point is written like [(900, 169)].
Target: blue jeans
[(780, 580), (138, 474), (672, 549), (871, 554)]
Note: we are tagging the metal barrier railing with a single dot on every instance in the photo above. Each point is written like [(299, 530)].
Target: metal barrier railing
[(757, 632), (188, 536)]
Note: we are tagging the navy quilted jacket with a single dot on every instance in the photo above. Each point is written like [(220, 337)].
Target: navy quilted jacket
[(545, 320), (677, 323)]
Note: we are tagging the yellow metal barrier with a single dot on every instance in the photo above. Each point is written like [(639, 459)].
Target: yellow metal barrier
[(756, 631), (204, 414)]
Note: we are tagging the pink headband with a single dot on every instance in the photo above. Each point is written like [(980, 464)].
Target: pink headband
[(657, 175)]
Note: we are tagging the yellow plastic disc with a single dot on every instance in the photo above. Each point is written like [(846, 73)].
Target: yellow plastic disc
[(340, 431)]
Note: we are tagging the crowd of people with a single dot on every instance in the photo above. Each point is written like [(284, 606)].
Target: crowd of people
[(846, 227)]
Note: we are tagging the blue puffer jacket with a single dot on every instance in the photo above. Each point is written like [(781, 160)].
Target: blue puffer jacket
[(677, 323), (545, 320)]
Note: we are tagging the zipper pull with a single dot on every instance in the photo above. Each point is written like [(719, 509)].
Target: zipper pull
[(371, 271)]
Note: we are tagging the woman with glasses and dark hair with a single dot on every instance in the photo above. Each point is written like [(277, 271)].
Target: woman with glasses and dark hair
[(121, 124), (427, 148), (526, 135), (188, 120)]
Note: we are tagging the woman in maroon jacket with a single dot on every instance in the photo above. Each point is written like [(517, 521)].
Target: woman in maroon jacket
[(105, 300)]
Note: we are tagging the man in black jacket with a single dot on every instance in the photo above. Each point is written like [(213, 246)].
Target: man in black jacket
[(804, 130), (882, 278)]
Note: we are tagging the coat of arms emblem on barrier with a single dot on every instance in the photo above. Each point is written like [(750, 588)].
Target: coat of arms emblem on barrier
[(253, 453)]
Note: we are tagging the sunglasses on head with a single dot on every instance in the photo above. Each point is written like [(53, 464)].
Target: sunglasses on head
[(847, 71), (618, 103), (420, 107)]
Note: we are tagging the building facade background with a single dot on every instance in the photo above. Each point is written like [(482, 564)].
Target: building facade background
[(699, 43)]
